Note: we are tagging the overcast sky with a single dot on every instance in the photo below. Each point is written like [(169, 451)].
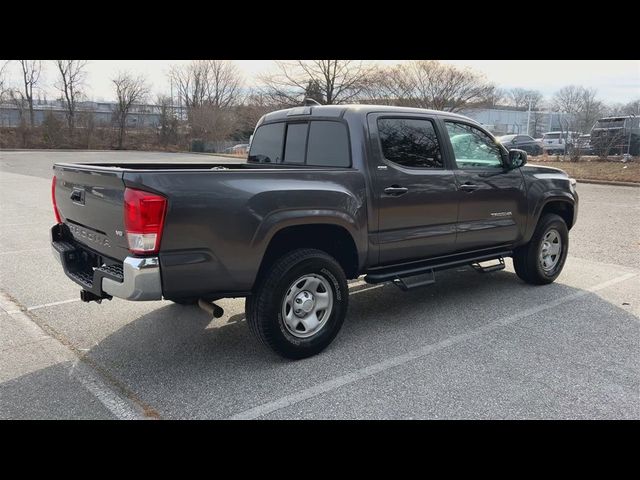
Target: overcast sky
[(616, 80)]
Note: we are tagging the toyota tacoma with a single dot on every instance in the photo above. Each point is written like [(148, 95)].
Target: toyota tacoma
[(327, 194)]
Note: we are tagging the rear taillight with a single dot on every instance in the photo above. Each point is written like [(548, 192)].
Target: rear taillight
[(143, 220), (53, 200)]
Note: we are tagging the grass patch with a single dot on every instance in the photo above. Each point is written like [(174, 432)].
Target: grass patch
[(595, 169)]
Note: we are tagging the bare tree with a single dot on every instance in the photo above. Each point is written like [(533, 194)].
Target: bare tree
[(211, 123), (632, 108), (520, 98), (4, 89), (255, 105), (129, 91), (581, 104), (207, 82), (496, 97), (31, 70), (590, 110), (168, 128), (71, 81), (336, 81), (568, 99), (432, 84)]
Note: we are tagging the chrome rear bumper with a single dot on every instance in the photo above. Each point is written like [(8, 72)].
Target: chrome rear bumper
[(141, 280)]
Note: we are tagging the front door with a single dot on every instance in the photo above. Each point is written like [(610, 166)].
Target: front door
[(414, 189), (492, 199)]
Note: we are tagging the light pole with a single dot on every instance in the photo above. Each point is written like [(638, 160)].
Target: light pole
[(528, 115)]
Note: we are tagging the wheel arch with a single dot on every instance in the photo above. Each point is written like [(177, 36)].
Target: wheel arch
[(331, 237)]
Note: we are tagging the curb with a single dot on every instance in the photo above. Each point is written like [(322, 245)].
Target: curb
[(608, 182)]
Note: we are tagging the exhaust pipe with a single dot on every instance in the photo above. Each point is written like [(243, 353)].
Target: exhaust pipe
[(211, 308)]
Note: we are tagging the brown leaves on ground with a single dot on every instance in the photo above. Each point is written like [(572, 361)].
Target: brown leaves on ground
[(596, 169)]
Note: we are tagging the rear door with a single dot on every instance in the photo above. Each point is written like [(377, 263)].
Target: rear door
[(414, 189), (90, 201), (492, 200)]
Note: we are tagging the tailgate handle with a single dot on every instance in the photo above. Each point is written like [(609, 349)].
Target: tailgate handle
[(77, 196)]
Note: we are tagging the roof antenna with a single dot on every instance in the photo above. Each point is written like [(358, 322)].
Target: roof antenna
[(310, 101)]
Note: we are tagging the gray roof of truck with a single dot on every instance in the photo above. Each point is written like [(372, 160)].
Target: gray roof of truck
[(340, 110)]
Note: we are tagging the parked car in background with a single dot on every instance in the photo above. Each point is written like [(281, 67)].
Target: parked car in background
[(616, 136), (583, 145), (557, 142), (522, 142), (240, 149)]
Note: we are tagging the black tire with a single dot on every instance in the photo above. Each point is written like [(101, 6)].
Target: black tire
[(526, 259), (264, 307)]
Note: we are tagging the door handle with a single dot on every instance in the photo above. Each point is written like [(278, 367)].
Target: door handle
[(395, 190), (469, 187)]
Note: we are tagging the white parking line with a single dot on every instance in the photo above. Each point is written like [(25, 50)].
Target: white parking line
[(53, 304), (105, 395), (13, 252), (21, 224), (425, 350), (367, 289), (120, 407), (72, 300)]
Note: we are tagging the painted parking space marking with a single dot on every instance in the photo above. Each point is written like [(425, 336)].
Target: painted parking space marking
[(423, 351)]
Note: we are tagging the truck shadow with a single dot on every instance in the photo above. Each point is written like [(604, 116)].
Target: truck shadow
[(188, 366), (173, 335)]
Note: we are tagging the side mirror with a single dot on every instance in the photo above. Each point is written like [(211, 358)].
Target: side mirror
[(517, 158)]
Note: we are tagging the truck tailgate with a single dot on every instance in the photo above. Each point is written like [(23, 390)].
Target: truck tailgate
[(90, 201)]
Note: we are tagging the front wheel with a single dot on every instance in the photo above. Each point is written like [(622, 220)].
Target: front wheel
[(299, 305), (541, 260)]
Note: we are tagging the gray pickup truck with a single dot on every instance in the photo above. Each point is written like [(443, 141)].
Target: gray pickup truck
[(328, 193)]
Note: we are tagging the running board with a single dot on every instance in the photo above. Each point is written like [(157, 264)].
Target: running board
[(489, 268), (409, 283), (407, 277)]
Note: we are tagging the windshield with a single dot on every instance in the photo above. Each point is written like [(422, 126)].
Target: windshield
[(551, 135), (506, 138)]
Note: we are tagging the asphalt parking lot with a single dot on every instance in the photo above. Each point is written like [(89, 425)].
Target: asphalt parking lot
[(471, 346)]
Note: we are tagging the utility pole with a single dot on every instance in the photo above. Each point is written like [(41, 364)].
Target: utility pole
[(528, 115)]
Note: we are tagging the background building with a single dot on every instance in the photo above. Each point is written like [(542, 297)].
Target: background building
[(140, 116)]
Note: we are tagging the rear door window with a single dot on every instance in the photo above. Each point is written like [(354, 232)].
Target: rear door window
[(410, 142), (266, 146)]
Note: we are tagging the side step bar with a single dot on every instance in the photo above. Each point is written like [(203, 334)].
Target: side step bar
[(408, 283), (408, 277), (489, 268)]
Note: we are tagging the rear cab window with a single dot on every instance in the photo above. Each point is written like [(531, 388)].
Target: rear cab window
[(266, 146), (321, 143)]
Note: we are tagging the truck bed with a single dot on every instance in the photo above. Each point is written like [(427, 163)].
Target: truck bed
[(219, 218)]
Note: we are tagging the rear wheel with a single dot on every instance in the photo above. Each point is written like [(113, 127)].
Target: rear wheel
[(300, 303), (541, 260)]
